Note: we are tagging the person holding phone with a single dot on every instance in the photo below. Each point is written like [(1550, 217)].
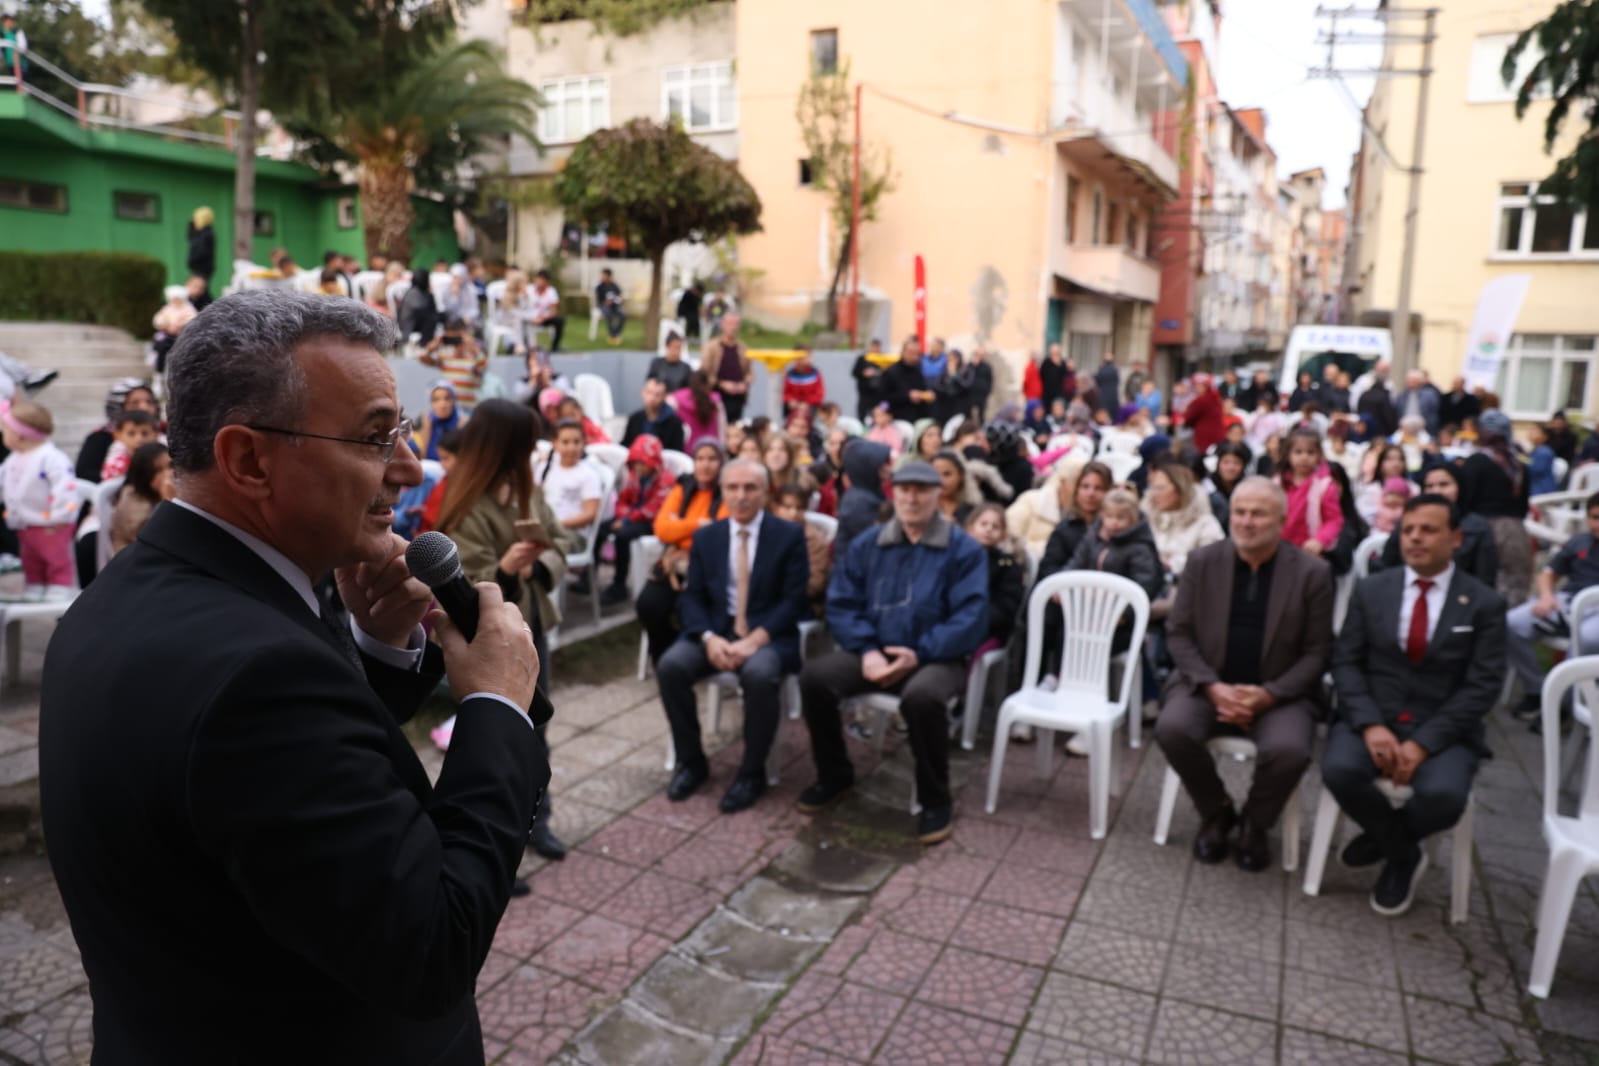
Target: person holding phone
[(507, 534)]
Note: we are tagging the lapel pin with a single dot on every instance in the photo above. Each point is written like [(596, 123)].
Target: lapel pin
[(1464, 600)]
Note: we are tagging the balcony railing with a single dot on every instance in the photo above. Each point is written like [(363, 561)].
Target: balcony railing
[(1109, 269), (1154, 28)]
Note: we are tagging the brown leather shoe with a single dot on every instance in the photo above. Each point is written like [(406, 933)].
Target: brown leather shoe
[(1210, 846), (1250, 849)]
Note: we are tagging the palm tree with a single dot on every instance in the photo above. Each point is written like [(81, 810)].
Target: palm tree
[(450, 104)]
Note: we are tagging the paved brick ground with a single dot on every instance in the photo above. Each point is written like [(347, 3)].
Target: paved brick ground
[(675, 935)]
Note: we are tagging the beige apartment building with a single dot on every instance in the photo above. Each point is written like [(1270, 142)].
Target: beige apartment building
[(1481, 216), (1029, 156)]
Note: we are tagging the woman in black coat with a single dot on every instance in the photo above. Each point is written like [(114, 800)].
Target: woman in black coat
[(418, 313), (202, 237), (1477, 554)]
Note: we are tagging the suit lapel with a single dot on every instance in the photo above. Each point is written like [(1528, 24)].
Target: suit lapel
[(1284, 586), (1457, 608), (1218, 590)]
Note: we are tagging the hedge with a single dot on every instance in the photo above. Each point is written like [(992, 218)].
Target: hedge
[(121, 289)]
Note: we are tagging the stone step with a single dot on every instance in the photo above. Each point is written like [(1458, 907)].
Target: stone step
[(88, 358)]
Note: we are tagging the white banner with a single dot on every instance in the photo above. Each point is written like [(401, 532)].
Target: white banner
[(1491, 327)]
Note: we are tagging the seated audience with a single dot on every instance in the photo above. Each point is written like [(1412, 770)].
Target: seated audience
[(1418, 665), (1033, 518), (149, 482), (700, 408), (456, 354), (1249, 636), (133, 428), (574, 488), (694, 502), (128, 394), (1315, 517), (802, 382), (906, 606), (1007, 573), (788, 503), (1396, 492), (740, 608), (1179, 516), (958, 496), (1476, 554), (1008, 455), (883, 431), (1574, 568), (645, 484), (866, 465), (570, 409), (1495, 485), (781, 459), (656, 418), (442, 416), (1340, 555)]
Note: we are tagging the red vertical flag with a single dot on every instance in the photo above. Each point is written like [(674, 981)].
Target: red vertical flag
[(921, 303)]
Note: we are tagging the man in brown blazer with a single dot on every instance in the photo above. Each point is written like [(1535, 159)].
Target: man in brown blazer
[(1251, 635)]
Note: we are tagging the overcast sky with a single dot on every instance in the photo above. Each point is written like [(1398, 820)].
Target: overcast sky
[(1267, 48)]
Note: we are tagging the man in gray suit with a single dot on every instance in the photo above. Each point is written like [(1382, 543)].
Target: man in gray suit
[(1418, 665), (1250, 634)]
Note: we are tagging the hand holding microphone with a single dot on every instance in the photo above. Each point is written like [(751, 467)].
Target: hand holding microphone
[(488, 647)]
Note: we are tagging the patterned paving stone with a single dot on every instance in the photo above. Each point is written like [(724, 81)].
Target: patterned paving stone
[(1035, 1049), (582, 881), (1445, 1033), (1224, 981), (952, 872), (851, 1021), (1230, 928), (988, 987), (892, 962), (1483, 984), (1113, 956), (763, 1050), (1100, 1016), (706, 860), (575, 821), (690, 815), (845, 948), (661, 905), (529, 923), (37, 974), (534, 996), (1147, 910), (1370, 1014), (1032, 889), (535, 1045), (925, 913), (983, 836), (1025, 936), (1332, 951), (621, 786), (1186, 1035), (604, 954), (591, 749), (936, 1037), (1055, 851), (634, 841), (495, 967), (1300, 1048)]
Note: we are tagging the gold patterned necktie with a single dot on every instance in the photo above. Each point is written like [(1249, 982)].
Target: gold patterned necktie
[(741, 625)]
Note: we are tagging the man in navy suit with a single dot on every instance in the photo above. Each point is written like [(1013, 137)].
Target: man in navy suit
[(1419, 664), (740, 611)]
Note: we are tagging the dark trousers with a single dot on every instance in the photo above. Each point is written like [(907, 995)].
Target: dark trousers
[(624, 534), (760, 679), (556, 324), (657, 616), (1283, 736), (733, 404), (1439, 790), (541, 644), (829, 679)]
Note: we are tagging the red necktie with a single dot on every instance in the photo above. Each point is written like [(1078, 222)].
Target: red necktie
[(1416, 642)]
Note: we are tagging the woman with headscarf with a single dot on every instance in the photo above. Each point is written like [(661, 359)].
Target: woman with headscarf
[(1494, 484), (443, 414), (418, 314), (202, 238)]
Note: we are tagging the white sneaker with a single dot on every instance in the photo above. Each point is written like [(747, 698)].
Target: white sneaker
[(1077, 745), (58, 593), (1049, 683), (1021, 733), (33, 593)]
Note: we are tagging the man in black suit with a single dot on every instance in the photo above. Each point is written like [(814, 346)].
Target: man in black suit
[(740, 609), (1419, 663), (254, 863)]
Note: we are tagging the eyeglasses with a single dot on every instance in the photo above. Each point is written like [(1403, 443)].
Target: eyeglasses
[(386, 443)]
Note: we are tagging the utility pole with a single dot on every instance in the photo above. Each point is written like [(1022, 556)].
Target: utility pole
[(855, 231), (1403, 343)]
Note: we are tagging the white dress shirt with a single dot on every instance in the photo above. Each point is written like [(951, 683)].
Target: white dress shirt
[(407, 658), (1436, 597), (733, 529)]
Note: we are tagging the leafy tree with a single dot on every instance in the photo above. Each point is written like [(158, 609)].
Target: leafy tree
[(61, 33), (620, 18), (1567, 48), (659, 186), (826, 116), (437, 109)]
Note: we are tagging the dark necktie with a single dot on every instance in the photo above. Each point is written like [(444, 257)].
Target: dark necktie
[(1416, 641), (339, 629)]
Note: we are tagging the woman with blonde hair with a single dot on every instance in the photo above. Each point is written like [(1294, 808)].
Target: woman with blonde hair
[(377, 297), (1036, 512), (512, 310), (781, 457), (1179, 516), (202, 238)]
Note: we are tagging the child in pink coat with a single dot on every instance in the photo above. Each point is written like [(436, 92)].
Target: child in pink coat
[(1314, 517)]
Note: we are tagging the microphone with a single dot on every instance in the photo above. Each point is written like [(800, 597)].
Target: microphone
[(433, 560)]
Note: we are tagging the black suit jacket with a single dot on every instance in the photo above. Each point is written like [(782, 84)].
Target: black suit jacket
[(778, 574), (253, 861), (1443, 700)]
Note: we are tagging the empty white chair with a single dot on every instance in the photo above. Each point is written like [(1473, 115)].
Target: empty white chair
[(1584, 479), (850, 425), (646, 552), (1573, 840), (1368, 549), (1118, 442), (1121, 464), (1329, 814), (1092, 605), (594, 393), (613, 456), (907, 433), (365, 281), (1240, 748), (497, 338), (587, 557), (977, 691), (677, 463)]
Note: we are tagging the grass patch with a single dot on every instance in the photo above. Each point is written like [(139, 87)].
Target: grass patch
[(610, 656)]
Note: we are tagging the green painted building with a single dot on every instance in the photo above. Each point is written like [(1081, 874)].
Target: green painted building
[(68, 188)]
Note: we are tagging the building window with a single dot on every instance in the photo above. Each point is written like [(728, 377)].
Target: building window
[(1545, 372), (346, 212), (824, 51), (574, 108), (806, 177), (1484, 84), (136, 206), (704, 96), (1132, 233), (1113, 224), (1099, 210), (33, 196), (1073, 189), (1532, 225), (266, 224)]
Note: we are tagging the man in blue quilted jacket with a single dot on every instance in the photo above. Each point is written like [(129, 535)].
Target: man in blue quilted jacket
[(907, 605)]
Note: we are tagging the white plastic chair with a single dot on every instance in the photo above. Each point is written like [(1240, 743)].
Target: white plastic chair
[(613, 456), (1328, 815), (851, 425), (1584, 479), (594, 393), (1121, 465), (365, 280), (1561, 469), (587, 557), (1583, 604), (977, 692), (644, 554), (1368, 549), (714, 687), (1092, 605), (396, 293), (12, 615), (1117, 442), (677, 463), (1573, 840), (1242, 749), (104, 495), (810, 627)]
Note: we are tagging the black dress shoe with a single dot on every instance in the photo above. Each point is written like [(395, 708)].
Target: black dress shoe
[(687, 779), (1396, 885), (742, 793), (1251, 851), (544, 843), (1361, 852), (935, 824), (520, 888), (39, 380), (1210, 846), (614, 594), (823, 794)]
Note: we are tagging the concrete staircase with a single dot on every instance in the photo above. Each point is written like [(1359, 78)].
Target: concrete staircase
[(89, 358)]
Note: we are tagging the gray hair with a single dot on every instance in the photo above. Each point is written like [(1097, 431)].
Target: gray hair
[(1268, 486), (763, 475), (235, 363)]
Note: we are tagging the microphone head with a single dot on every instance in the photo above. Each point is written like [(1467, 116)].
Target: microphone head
[(433, 559)]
